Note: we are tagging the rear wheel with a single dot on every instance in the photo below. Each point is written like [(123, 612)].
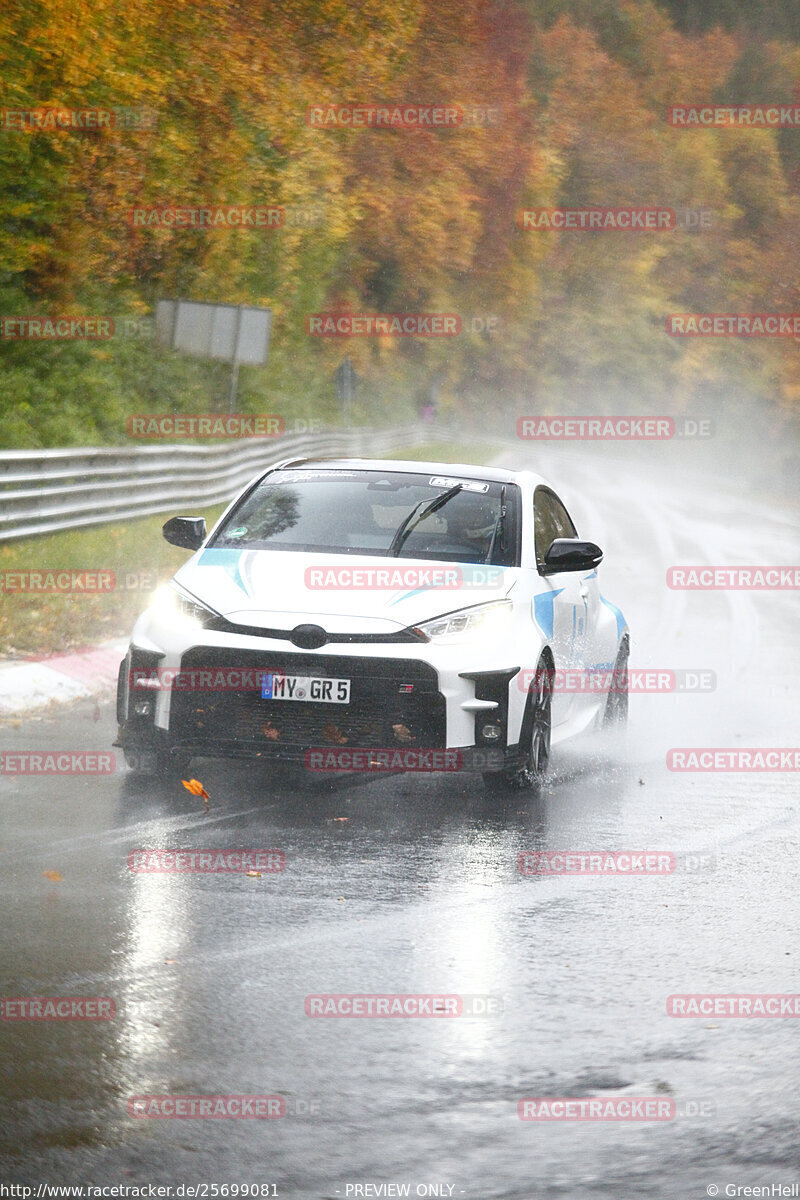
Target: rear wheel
[(534, 740), (616, 711)]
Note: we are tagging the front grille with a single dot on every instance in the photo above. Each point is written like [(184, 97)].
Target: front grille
[(393, 702), (223, 625)]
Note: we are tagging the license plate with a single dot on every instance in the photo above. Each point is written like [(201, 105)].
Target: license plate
[(305, 687)]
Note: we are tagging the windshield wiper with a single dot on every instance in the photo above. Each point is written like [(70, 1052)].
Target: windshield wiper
[(418, 513), (499, 527)]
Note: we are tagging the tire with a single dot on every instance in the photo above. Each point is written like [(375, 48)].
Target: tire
[(616, 710), (535, 738), (151, 764)]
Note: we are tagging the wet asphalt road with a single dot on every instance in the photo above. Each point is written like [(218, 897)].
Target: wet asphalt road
[(417, 891)]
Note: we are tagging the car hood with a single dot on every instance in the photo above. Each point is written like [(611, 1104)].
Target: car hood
[(343, 593)]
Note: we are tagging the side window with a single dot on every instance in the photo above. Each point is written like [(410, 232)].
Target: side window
[(550, 521)]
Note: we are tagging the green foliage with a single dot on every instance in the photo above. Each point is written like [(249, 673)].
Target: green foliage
[(393, 220)]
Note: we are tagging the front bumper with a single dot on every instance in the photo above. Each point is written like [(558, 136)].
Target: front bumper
[(212, 706)]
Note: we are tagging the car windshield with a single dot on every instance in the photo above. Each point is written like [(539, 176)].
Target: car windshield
[(336, 511)]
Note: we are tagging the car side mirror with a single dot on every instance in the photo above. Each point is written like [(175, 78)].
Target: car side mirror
[(569, 554), (188, 532)]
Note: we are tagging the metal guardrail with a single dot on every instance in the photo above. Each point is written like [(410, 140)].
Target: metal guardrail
[(43, 491)]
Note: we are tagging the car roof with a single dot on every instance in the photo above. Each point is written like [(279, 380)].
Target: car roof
[(468, 470)]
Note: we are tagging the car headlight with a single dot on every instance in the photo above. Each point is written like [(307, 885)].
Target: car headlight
[(467, 623), (171, 604)]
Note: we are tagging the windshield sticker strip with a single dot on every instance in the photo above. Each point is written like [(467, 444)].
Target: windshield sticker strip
[(468, 485)]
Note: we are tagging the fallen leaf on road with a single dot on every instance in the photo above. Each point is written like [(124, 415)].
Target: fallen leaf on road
[(55, 876), (196, 788)]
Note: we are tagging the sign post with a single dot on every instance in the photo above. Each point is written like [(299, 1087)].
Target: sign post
[(235, 362), (345, 378)]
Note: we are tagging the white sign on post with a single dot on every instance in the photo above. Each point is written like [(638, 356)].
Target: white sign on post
[(235, 333)]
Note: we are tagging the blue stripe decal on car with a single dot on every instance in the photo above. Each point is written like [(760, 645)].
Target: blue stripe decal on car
[(543, 610), (231, 563), (621, 622)]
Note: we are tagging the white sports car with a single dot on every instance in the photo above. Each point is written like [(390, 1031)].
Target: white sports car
[(372, 615)]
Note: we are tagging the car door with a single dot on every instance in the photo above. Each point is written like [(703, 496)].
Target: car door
[(564, 606)]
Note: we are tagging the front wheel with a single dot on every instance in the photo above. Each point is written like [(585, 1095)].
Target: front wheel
[(534, 740)]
